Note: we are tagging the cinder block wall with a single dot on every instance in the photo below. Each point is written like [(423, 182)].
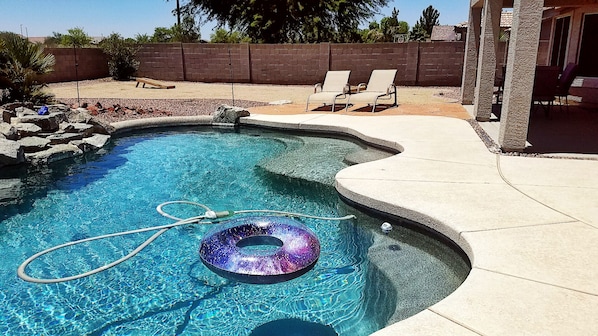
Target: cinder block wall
[(286, 63), (92, 64), (214, 62), (435, 63), (362, 59), (161, 61), (440, 63)]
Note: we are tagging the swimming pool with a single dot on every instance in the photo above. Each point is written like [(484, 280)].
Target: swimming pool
[(362, 281)]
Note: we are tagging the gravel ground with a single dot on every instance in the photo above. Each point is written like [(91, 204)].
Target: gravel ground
[(448, 92), (190, 98), (150, 108)]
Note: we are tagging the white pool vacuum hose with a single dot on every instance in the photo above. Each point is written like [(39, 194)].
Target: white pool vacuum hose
[(208, 215)]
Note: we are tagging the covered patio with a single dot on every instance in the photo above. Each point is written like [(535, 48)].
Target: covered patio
[(544, 32)]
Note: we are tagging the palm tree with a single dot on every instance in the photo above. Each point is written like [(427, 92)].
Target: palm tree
[(21, 64)]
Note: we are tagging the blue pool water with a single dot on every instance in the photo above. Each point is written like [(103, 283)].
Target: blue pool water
[(363, 280)]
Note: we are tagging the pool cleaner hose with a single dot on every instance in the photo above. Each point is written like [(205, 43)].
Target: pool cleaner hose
[(202, 219)]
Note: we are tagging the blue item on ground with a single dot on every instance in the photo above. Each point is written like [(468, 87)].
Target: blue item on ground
[(43, 110)]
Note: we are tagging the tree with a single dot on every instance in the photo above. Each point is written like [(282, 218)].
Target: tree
[(429, 19), (221, 35), (372, 35), (388, 24), (283, 21), (387, 29), (403, 27), (21, 64), (121, 53), (76, 37), (162, 35), (418, 33), (143, 38), (187, 31)]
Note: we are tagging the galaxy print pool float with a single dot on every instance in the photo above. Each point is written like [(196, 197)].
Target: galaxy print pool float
[(260, 249)]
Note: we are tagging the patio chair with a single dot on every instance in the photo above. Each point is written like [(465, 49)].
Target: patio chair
[(335, 86), (564, 84), (380, 86), (545, 87)]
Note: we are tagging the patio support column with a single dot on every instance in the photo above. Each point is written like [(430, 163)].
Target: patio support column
[(470, 64), (484, 90), (519, 78)]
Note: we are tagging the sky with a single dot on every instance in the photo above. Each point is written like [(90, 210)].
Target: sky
[(41, 18)]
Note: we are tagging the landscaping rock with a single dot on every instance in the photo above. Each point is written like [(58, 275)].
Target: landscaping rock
[(78, 116), (11, 153), (101, 127), (7, 115), (64, 138), (81, 115), (60, 134), (86, 129), (92, 143), (23, 111), (58, 108), (15, 105), (54, 153), (26, 130), (226, 114), (48, 123), (10, 191), (34, 144), (8, 131)]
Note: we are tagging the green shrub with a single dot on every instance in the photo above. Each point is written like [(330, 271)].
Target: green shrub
[(122, 64), (21, 64)]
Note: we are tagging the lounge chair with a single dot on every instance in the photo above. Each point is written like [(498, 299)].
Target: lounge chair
[(564, 84), (545, 86), (335, 86), (380, 86)]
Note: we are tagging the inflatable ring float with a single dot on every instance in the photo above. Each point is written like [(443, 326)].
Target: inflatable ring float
[(260, 249)]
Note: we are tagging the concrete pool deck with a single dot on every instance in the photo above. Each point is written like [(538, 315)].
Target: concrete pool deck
[(529, 225)]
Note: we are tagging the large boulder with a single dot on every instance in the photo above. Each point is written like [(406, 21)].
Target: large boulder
[(8, 131), (48, 123), (54, 153), (13, 106), (34, 144), (11, 153), (23, 111), (92, 143), (63, 138), (58, 108), (7, 115), (226, 114), (81, 115), (11, 191), (27, 130), (86, 129)]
